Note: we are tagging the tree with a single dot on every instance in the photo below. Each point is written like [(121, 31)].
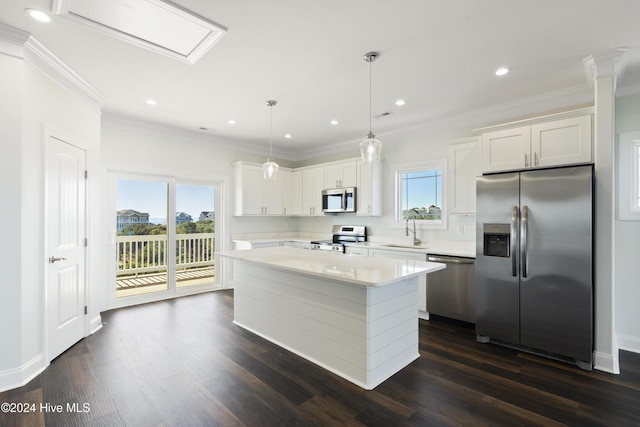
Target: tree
[(206, 226), (186, 228)]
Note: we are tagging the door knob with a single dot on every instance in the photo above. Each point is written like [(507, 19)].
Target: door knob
[(54, 259)]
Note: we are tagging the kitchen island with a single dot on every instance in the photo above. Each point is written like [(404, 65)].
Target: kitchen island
[(354, 316)]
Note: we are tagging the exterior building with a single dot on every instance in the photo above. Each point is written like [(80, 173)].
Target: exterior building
[(207, 216), (183, 217), (129, 217)]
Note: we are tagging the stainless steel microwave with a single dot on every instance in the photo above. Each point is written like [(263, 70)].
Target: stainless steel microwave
[(339, 200)]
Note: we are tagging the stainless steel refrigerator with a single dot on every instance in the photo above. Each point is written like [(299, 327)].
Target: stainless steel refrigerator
[(534, 263)]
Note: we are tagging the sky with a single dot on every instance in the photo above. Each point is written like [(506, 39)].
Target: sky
[(151, 197), (421, 189)]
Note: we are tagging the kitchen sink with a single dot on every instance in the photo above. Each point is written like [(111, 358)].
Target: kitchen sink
[(404, 246)]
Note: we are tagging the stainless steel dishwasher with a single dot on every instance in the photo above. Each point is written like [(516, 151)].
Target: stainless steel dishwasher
[(452, 292)]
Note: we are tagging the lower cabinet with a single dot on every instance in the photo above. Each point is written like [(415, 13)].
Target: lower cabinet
[(422, 284)]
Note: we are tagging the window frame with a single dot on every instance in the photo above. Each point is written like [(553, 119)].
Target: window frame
[(629, 176), (397, 170)]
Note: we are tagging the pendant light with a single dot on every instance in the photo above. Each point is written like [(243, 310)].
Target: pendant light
[(370, 147), (270, 168)]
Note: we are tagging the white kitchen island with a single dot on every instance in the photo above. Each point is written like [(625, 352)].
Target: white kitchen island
[(354, 316)]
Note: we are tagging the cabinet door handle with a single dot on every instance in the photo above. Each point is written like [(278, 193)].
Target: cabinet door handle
[(526, 160), (535, 159)]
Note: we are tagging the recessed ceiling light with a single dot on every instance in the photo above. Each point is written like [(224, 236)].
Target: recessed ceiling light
[(400, 102), (231, 122), (334, 122), (203, 128), (502, 71), (151, 102), (288, 136), (38, 15)]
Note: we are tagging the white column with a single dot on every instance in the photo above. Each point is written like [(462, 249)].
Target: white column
[(605, 68)]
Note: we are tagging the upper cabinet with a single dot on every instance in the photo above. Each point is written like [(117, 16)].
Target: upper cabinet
[(538, 143), (462, 170), (312, 186), (369, 189), (299, 191), (340, 174), (256, 195), (292, 193)]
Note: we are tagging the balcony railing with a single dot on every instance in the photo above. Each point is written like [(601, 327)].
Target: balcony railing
[(149, 253)]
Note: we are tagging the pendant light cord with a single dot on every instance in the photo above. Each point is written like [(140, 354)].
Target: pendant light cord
[(370, 96), (270, 131), (271, 103)]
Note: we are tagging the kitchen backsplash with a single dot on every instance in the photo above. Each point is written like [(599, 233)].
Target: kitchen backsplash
[(459, 227)]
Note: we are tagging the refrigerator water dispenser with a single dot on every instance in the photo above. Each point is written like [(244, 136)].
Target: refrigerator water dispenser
[(497, 240)]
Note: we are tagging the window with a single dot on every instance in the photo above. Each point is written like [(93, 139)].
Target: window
[(629, 176), (420, 193)]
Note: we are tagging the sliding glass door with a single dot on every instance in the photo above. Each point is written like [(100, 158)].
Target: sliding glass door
[(165, 237), (195, 235), (141, 237)]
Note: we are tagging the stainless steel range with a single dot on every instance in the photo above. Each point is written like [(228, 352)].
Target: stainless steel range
[(341, 234)]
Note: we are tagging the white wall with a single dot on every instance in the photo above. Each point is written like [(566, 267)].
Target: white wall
[(31, 103), (11, 84), (627, 238)]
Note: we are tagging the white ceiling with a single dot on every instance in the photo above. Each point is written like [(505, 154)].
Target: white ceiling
[(437, 55)]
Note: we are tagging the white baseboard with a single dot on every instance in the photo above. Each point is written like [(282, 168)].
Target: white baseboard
[(95, 324), (20, 376), (606, 362), (629, 343)]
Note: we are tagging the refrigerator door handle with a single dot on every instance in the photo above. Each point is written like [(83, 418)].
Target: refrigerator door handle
[(523, 236), (514, 237)]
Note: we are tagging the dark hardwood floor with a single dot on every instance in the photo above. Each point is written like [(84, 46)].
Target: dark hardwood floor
[(183, 363)]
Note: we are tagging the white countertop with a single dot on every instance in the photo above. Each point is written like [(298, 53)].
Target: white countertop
[(432, 247), (363, 271), (440, 247)]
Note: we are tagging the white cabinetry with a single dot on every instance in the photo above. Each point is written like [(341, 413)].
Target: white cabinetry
[(299, 191), (538, 144), (356, 250), (340, 174), (254, 194), (291, 192), (422, 282), (369, 189), (312, 186), (463, 168)]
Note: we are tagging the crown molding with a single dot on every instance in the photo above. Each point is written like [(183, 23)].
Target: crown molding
[(49, 64), (563, 99), (20, 44), (608, 63), (12, 41)]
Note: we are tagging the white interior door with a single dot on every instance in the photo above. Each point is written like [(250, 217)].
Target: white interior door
[(66, 185)]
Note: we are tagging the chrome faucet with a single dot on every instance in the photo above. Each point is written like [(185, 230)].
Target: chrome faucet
[(416, 241)]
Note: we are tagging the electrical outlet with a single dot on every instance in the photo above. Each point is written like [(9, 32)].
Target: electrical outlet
[(469, 229), (460, 229)]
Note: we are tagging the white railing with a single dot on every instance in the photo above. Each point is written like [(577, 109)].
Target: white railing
[(148, 253)]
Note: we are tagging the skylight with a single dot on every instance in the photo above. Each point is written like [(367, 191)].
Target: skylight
[(153, 24)]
